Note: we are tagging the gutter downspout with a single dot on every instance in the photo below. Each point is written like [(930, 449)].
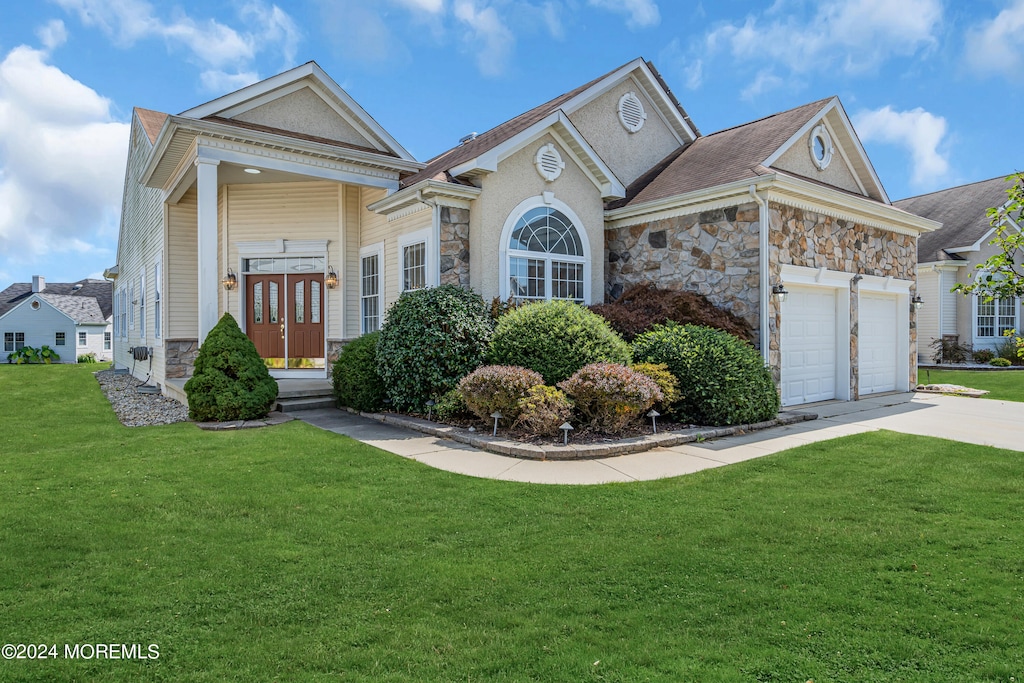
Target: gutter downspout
[(435, 228), (765, 289)]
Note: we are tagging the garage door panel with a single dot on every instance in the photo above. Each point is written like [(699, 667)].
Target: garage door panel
[(808, 340), (878, 343)]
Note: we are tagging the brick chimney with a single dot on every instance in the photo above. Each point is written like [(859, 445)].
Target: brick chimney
[(38, 283)]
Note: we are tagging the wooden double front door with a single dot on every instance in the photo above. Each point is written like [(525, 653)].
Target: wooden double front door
[(285, 318)]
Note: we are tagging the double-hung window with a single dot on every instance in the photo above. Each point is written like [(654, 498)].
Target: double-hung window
[(106, 341), (157, 287), (417, 265), (83, 339), (142, 304), (59, 339), (997, 316), (371, 292)]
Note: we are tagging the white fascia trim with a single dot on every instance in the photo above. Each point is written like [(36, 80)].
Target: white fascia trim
[(941, 265), (436, 190), (112, 272), (663, 103), (810, 196), (691, 202), (973, 247), (235, 102), (890, 285), (842, 155), (799, 135), (821, 277), (559, 125)]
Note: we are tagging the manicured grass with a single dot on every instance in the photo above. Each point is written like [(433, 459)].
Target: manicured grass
[(289, 553), (1007, 385)]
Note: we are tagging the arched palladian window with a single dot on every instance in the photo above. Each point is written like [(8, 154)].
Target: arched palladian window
[(546, 257)]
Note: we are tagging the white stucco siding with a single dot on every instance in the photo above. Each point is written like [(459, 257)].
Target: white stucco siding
[(304, 111), (516, 180), (629, 155), (290, 211), (40, 327), (140, 243), (797, 159)]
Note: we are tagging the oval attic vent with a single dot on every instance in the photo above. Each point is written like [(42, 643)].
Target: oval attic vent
[(549, 162), (631, 112)]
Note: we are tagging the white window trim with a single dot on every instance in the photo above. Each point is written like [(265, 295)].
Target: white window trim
[(79, 336), (131, 306), (426, 236), (108, 341), (378, 251), (996, 338), (505, 253), (142, 304), (157, 298)]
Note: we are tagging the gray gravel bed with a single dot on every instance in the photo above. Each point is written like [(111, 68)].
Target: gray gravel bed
[(138, 410)]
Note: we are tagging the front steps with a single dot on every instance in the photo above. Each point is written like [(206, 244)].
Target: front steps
[(296, 395)]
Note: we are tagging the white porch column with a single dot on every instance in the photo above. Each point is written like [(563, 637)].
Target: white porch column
[(206, 181)]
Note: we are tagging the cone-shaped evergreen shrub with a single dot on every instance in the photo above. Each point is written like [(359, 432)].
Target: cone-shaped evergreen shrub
[(230, 381)]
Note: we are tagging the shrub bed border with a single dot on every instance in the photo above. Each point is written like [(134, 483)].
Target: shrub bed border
[(500, 445)]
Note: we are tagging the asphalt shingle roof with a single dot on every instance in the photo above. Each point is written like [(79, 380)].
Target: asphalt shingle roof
[(81, 309), (100, 292), (961, 210)]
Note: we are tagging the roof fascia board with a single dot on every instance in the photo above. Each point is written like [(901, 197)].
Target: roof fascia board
[(841, 112), (797, 136), (691, 202), (668, 111), (559, 124), (425, 189), (941, 265), (845, 157), (235, 101)]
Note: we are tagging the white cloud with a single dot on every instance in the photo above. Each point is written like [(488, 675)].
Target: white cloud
[(995, 47), (690, 68), (490, 37), (766, 80), (62, 160), (214, 46), (853, 35), (641, 13), (52, 34), (221, 81), (430, 6), (919, 132)]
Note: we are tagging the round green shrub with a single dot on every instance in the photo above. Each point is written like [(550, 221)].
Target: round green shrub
[(230, 381), (1000, 363), (430, 339), (608, 396), (354, 375), (497, 388), (543, 410), (666, 381), (723, 379), (451, 406), (555, 338)]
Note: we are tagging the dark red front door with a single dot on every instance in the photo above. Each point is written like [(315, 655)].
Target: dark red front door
[(305, 320), (265, 322)]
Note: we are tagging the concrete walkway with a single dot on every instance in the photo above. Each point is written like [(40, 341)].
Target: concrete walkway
[(978, 421)]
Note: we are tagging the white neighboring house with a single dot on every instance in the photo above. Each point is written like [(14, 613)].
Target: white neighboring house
[(72, 318), (950, 256)]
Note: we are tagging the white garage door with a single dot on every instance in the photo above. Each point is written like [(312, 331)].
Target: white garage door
[(877, 343), (808, 345)]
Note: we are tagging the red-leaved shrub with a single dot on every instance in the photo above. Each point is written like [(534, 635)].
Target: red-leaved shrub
[(608, 396), (642, 306)]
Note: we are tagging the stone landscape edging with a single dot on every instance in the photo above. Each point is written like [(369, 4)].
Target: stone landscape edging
[(637, 444)]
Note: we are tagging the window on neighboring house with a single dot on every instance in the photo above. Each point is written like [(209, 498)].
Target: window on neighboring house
[(106, 341), (83, 339), (157, 328), (546, 258), (59, 339), (996, 317), (8, 341), (142, 304), (370, 289)]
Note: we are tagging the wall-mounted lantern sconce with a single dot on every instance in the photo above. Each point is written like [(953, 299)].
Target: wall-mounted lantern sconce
[(780, 292), (917, 302), (332, 278), (230, 280)]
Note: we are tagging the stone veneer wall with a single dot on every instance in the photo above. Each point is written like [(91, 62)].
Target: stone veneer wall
[(454, 246), (714, 253), (180, 358), (805, 238)]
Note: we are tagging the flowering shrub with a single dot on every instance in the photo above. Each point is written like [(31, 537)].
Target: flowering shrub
[(497, 388), (609, 396), (667, 382), (543, 410)]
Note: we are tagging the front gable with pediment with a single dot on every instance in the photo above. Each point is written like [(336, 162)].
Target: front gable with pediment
[(838, 173), (305, 111)]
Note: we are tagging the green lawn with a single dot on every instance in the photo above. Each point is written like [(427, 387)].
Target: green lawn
[(290, 553), (1006, 385)]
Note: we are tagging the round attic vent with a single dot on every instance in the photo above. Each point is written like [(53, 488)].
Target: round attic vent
[(549, 162), (631, 112), (821, 147), (35, 305)]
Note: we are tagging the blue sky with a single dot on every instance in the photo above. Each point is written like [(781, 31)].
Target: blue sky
[(934, 88)]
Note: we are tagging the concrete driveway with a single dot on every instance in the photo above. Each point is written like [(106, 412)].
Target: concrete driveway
[(971, 420)]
